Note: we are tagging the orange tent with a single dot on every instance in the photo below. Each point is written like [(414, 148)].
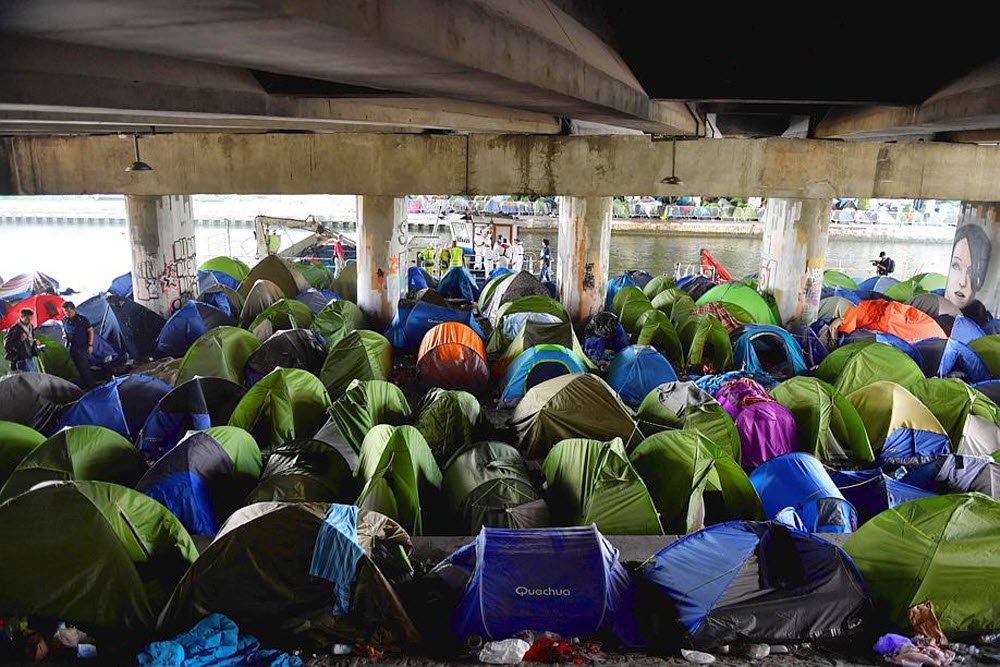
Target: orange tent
[(46, 307), (453, 356), (891, 317)]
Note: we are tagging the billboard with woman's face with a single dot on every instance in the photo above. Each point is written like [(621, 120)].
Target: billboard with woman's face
[(972, 276)]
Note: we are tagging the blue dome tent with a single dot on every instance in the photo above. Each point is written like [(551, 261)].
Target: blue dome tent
[(876, 284), (947, 357), (615, 285), (208, 277), (799, 481), (122, 405), (765, 348), (415, 317), (317, 299), (637, 370), (186, 325), (872, 491), (872, 336), (418, 279), (122, 286), (458, 283), (130, 329), (535, 365), (848, 294), (965, 330)]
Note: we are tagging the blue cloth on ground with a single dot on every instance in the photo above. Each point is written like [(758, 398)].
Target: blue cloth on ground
[(215, 641), (337, 552)]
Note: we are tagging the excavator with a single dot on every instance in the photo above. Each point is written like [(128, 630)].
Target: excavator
[(318, 244)]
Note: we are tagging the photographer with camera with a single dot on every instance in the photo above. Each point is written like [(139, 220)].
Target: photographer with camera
[(884, 265)]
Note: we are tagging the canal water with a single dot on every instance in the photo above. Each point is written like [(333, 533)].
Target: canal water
[(87, 257)]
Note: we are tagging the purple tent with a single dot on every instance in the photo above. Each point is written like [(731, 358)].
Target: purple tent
[(737, 394), (767, 430)]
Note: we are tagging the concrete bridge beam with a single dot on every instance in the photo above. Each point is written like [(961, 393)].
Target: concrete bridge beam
[(584, 254)]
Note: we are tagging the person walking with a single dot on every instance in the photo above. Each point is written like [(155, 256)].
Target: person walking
[(19, 346), (456, 256), (545, 259), (517, 255), (338, 254), (79, 335), (427, 256)]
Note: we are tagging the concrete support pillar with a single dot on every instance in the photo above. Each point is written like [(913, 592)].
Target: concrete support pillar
[(974, 265), (796, 232), (584, 254), (382, 261), (164, 265)]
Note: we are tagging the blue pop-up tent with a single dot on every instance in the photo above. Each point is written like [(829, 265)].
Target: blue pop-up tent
[(637, 370), (122, 286), (537, 364), (799, 481), (615, 285), (948, 357), (186, 325), (872, 336), (765, 344), (317, 299), (130, 329), (563, 580), (122, 405), (458, 283), (965, 330), (415, 317), (871, 491)]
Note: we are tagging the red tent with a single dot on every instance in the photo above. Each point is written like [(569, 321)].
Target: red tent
[(46, 307), (891, 317)]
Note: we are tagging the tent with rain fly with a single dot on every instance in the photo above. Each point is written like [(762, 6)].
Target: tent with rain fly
[(768, 349), (290, 348), (189, 323), (901, 429), (640, 277), (281, 315), (415, 317), (201, 481), (287, 404), (44, 307), (918, 284), (850, 295), (833, 307), (81, 453), (675, 304), (519, 285), (799, 481), (366, 404), (829, 426), (693, 482), (315, 273), (859, 364), (988, 349), (458, 283), (616, 285), (452, 356), (767, 428), (360, 355), (395, 466), (336, 320), (535, 365), (706, 344), (813, 349), (970, 418), (279, 271), (934, 305), (578, 405), (24, 285), (195, 405), (743, 297), (311, 573), (229, 267), (934, 549), (592, 482), (307, 471), (37, 400), (129, 328), (871, 336), (107, 564), (317, 299), (947, 357), (892, 317), (123, 404), (834, 278), (16, 442), (871, 491), (222, 352), (487, 484), (655, 329), (685, 406), (261, 296), (745, 581), (506, 572), (535, 333), (447, 419), (637, 370)]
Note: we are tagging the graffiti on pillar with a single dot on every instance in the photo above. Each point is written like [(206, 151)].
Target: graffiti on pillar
[(971, 252), (588, 276), (176, 277)]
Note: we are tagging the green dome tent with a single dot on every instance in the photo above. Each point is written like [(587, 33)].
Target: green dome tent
[(988, 348), (629, 305), (241, 447), (221, 352), (657, 285), (921, 283), (262, 295), (693, 482), (833, 307), (281, 315), (336, 320), (540, 333), (16, 442), (706, 344), (940, 549), (833, 278), (592, 482), (279, 271), (346, 282), (624, 296), (305, 471), (885, 407), (515, 312), (365, 404), (97, 555), (447, 419), (829, 426), (744, 297), (77, 453), (489, 289), (315, 273), (654, 328), (857, 365), (230, 266), (675, 304), (359, 355), (971, 420), (287, 404), (394, 465), (575, 405), (487, 484), (685, 406)]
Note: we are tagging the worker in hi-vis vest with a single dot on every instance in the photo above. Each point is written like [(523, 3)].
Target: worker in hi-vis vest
[(427, 256), (456, 254)]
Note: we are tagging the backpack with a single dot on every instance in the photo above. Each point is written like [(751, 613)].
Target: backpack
[(10, 345), (890, 265)]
